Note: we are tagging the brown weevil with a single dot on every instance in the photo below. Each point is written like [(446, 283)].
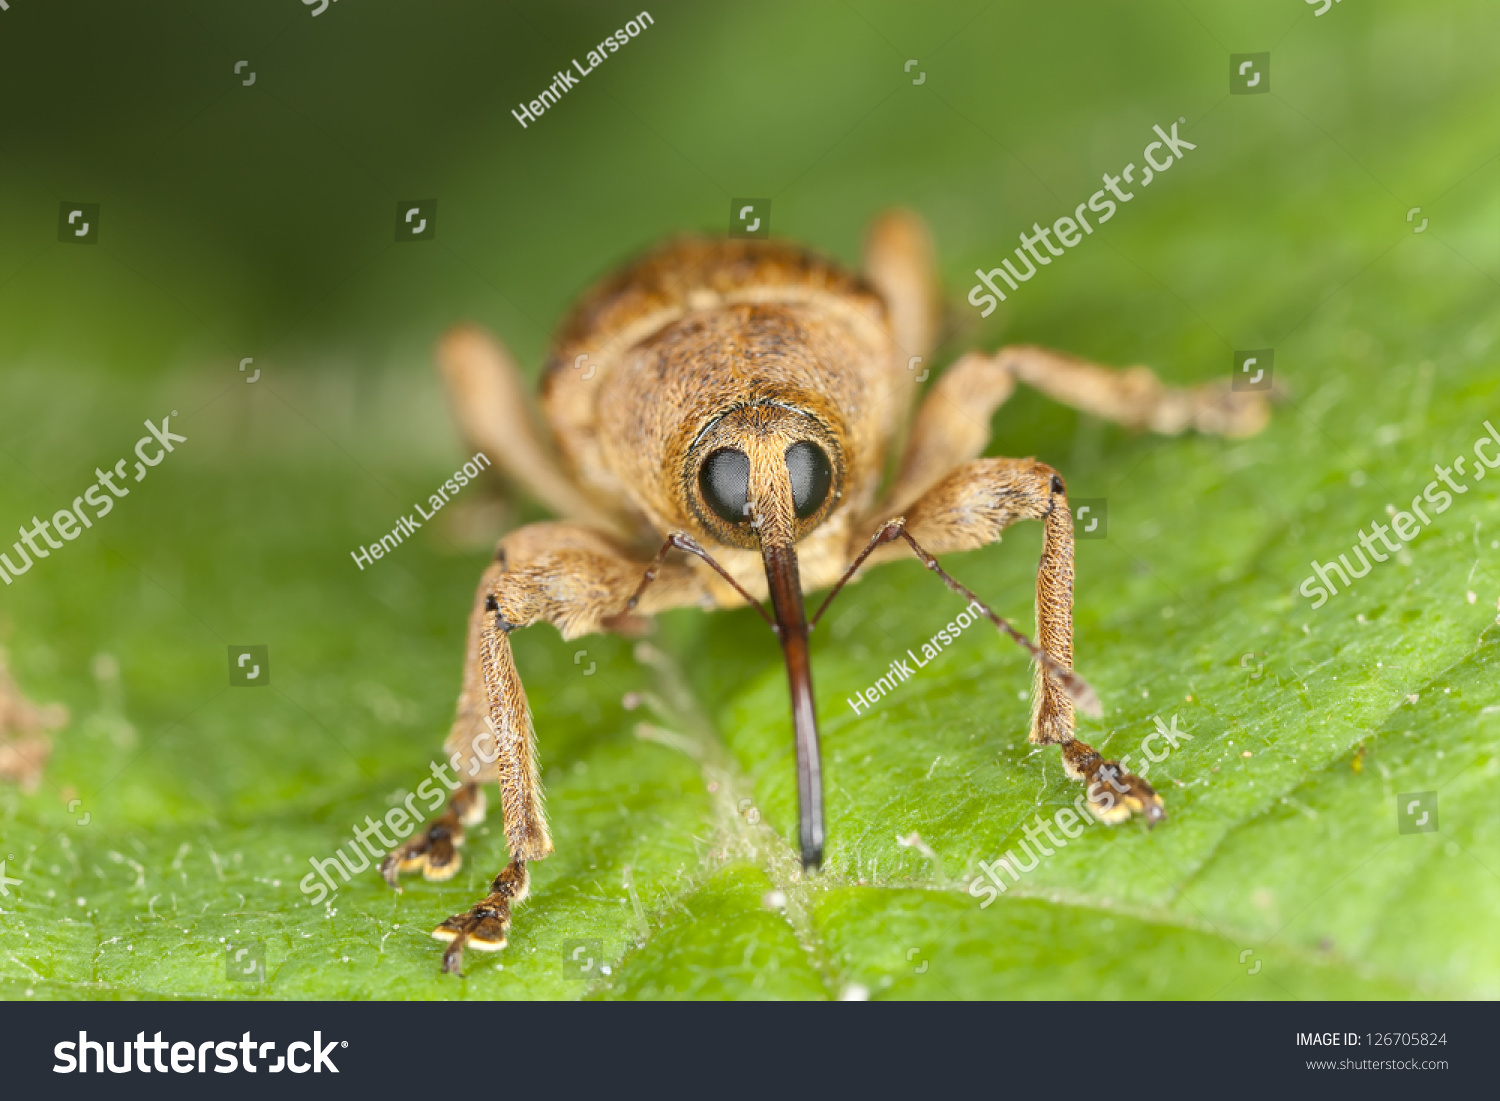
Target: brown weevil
[(721, 412)]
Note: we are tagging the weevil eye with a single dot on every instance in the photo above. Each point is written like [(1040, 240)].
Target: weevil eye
[(812, 474), (725, 482)]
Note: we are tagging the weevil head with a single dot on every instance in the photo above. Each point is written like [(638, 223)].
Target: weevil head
[(742, 425), (763, 474)]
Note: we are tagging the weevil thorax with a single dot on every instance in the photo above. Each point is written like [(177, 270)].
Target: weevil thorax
[(737, 385)]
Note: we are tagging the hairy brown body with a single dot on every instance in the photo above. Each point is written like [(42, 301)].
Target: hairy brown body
[(700, 327)]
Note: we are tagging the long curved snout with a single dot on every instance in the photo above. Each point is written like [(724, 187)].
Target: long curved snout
[(791, 624)]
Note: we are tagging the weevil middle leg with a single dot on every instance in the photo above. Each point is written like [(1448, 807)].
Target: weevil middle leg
[(953, 423)]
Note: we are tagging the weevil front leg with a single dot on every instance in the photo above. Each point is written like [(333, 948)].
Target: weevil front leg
[(575, 578), (969, 508)]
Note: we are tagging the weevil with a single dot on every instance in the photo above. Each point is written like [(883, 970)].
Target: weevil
[(721, 413)]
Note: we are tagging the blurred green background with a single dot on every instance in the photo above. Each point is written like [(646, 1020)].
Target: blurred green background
[(259, 221)]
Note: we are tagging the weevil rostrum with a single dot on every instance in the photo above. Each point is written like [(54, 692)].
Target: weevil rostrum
[(720, 416)]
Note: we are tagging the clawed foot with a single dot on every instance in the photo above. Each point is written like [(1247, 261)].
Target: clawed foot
[(1113, 794), (434, 851), (486, 926)]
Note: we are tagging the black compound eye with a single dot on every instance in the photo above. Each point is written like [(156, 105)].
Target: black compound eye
[(812, 475), (725, 482)]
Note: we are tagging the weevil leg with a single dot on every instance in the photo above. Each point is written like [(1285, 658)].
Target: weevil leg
[(1135, 397), (575, 578), (969, 508), (899, 262), (489, 400), (953, 423)]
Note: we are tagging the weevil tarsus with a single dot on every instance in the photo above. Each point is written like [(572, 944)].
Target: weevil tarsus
[(433, 851)]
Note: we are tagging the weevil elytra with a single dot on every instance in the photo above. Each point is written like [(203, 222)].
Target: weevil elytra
[(721, 413)]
